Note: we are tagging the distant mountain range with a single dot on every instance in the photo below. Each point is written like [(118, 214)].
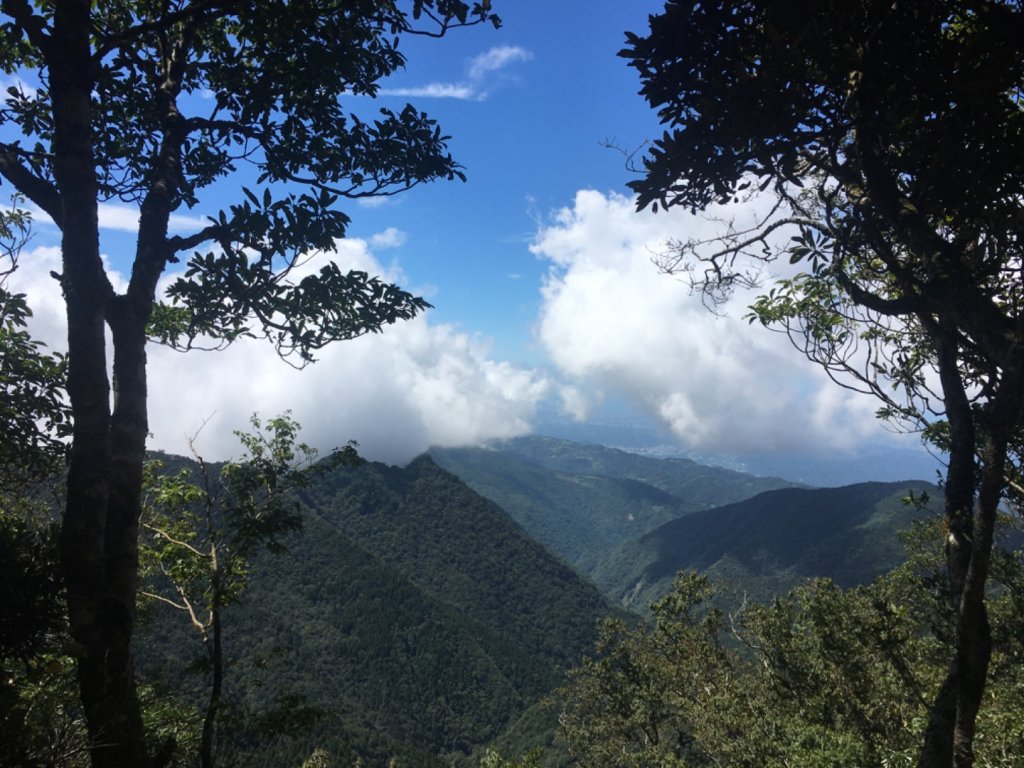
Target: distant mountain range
[(883, 461), (631, 522), (765, 545), (584, 501)]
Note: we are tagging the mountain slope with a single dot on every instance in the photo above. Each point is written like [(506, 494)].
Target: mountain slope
[(410, 611), (583, 501), (766, 544)]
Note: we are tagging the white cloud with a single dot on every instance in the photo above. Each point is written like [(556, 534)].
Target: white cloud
[(417, 384), (375, 202), (434, 91), (127, 219), (479, 82), (392, 237), (612, 323), (124, 219), (575, 402), (34, 278)]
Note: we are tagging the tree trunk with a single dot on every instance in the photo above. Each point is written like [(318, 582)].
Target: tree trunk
[(97, 561), (949, 738), (974, 641), (99, 533), (940, 735), (208, 745)]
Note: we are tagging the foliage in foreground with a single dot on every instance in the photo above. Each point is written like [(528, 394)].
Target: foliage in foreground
[(821, 677), (34, 414)]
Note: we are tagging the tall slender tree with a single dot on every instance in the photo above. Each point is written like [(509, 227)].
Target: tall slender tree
[(203, 525), (148, 103), (892, 137)]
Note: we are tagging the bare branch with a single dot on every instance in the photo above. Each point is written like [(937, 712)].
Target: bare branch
[(629, 155), (164, 535), (186, 605), (162, 599), (721, 273), (177, 244)]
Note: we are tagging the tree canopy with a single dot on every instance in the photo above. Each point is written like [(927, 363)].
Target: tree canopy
[(153, 105), (33, 412), (891, 137), (821, 676)]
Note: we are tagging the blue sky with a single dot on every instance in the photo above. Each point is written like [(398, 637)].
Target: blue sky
[(530, 134), (546, 301)]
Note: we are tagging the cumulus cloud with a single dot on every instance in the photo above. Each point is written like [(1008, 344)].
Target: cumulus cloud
[(34, 278), (417, 384), (480, 81), (611, 323)]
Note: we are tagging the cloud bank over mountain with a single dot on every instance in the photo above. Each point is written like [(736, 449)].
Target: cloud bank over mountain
[(610, 322), (397, 393)]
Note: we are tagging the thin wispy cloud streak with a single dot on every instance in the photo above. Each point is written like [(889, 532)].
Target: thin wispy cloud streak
[(480, 77), (496, 59), (434, 91)]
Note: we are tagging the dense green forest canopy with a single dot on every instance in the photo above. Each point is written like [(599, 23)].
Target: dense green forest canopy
[(583, 500), (820, 676), (410, 615)]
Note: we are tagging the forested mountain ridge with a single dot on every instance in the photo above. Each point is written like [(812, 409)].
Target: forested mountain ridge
[(413, 614), (458, 546), (584, 501), (765, 545), (631, 522)]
